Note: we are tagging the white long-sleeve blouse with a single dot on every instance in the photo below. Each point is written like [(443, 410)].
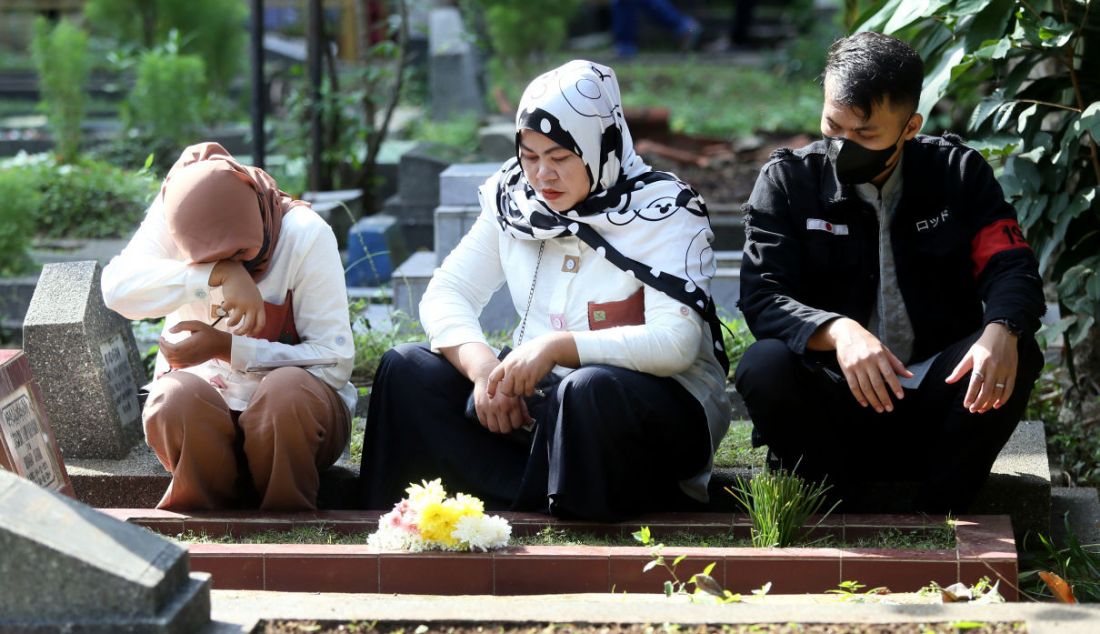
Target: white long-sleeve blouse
[(150, 278), (674, 341)]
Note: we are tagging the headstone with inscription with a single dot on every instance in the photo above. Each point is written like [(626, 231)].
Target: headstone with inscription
[(85, 360), (27, 444), (66, 567)]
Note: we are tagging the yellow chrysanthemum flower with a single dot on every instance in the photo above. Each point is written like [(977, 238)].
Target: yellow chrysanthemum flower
[(426, 493), (437, 522)]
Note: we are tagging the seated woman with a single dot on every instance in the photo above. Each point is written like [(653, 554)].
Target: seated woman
[(618, 361), (250, 280)]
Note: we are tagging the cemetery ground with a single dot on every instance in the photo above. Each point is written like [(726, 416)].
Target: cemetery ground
[(714, 122)]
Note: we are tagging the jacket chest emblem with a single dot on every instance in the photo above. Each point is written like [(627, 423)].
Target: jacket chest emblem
[(817, 224), (933, 222)]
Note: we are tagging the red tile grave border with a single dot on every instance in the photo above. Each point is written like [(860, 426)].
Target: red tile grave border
[(984, 547)]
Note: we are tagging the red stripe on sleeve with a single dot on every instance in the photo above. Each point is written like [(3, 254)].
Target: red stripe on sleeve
[(1001, 235)]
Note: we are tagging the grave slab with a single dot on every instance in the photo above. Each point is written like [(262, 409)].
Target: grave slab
[(27, 444), (86, 362), (67, 566), (453, 77)]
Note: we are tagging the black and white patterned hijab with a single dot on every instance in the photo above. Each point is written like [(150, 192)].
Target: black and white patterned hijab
[(650, 224)]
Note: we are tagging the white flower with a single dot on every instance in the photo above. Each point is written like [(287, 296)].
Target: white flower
[(394, 538), (482, 532)]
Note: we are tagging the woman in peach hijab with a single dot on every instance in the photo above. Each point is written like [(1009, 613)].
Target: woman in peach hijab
[(251, 394)]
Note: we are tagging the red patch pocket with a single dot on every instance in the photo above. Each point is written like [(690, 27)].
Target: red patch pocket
[(626, 312), (280, 322)]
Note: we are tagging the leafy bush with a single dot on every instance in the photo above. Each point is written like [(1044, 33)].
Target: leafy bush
[(211, 29), (167, 102), (88, 199), (1034, 66), (61, 58), (520, 29), (16, 221)]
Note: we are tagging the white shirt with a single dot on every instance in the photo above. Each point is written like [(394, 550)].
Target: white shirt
[(151, 279), (673, 342)]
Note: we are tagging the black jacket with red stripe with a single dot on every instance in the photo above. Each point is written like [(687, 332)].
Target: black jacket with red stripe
[(811, 250)]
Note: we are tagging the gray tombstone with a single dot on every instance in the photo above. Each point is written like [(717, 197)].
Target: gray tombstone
[(454, 82), (68, 567), (417, 194), (84, 358)]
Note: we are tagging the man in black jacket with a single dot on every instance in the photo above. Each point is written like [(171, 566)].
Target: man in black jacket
[(891, 292)]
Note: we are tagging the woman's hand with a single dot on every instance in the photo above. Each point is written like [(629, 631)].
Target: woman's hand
[(525, 366), (993, 359), (243, 304), (498, 413), (205, 343)]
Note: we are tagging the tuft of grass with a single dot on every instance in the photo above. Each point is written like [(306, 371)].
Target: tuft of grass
[(780, 503)]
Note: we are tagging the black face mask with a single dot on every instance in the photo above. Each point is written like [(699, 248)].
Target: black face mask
[(856, 164)]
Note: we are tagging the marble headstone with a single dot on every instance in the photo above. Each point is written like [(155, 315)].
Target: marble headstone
[(68, 567), (86, 362), (27, 444)]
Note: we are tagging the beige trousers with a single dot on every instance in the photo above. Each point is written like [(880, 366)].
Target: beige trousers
[(295, 425)]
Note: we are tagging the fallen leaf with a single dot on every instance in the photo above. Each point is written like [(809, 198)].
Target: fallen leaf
[(1062, 590)]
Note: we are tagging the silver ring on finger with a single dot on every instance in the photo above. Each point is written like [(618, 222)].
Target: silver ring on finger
[(979, 375), (999, 386)]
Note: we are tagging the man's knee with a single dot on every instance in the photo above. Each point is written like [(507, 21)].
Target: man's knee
[(767, 371)]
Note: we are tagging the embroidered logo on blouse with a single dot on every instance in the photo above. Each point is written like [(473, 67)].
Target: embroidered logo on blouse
[(822, 225), (933, 222)]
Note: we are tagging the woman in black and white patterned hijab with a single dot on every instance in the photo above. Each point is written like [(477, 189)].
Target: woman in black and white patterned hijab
[(646, 222), (618, 363)]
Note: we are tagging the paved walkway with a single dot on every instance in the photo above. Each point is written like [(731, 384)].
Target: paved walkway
[(238, 611)]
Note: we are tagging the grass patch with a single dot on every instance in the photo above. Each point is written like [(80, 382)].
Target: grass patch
[(315, 534), (736, 449), (942, 538), (721, 100)]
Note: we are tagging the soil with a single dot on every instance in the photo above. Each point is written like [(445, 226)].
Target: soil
[(729, 180), (408, 627)]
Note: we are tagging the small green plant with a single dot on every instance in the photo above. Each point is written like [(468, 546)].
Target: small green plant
[(779, 503), (61, 58), (519, 30), (703, 582), (853, 591), (167, 104), (20, 204)]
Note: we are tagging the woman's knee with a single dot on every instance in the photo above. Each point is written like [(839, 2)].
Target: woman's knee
[(179, 396)]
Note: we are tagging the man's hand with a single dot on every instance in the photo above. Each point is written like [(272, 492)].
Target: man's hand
[(499, 413), (243, 304), (870, 368), (205, 343), (992, 361)]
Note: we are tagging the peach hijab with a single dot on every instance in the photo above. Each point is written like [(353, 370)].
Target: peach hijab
[(216, 208)]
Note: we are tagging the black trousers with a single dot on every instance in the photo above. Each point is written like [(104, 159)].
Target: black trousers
[(609, 444), (802, 408)]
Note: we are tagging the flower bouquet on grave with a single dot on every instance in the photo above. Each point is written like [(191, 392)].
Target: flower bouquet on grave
[(429, 520)]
